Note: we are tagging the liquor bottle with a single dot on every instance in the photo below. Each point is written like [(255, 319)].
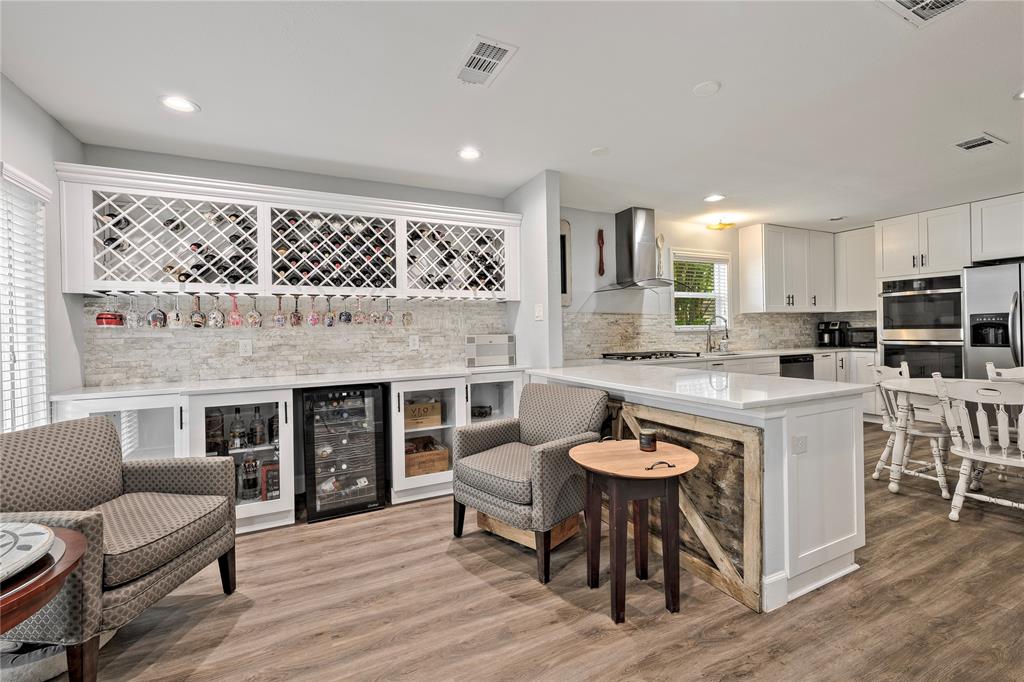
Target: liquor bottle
[(257, 429), (237, 433), (272, 428), (249, 477), (215, 443)]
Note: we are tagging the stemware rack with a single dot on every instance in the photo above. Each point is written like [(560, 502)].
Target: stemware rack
[(148, 232)]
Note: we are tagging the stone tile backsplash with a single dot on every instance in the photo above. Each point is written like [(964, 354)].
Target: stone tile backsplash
[(588, 335), (118, 355)]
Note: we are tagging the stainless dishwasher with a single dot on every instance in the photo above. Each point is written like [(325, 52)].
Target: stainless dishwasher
[(798, 366)]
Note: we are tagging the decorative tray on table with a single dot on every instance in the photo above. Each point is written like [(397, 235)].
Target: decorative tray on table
[(21, 545)]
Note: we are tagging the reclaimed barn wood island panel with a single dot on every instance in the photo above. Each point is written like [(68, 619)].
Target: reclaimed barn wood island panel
[(776, 507)]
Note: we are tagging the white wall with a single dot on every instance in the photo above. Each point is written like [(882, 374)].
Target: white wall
[(538, 343), (31, 140), (679, 235), (114, 157)]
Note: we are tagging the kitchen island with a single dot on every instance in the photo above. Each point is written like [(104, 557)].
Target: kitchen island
[(776, 507)]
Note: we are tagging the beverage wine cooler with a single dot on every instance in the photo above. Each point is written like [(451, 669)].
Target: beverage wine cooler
[(342, 436)]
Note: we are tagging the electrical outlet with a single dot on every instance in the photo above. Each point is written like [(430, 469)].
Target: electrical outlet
[(538, 312), (245, 348), (414, 342), (799, 445)]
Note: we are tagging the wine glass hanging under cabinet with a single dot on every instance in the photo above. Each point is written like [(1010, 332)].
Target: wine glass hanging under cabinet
[(141, 241), (314, 251)]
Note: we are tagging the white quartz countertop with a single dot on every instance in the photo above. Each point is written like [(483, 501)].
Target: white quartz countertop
[(272, 383), (735, 355), (721, 389)]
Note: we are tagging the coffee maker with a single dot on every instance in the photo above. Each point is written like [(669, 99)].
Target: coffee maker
[(832, 333)]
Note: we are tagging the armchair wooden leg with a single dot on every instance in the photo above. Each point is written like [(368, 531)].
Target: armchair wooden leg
[(543, 539), (226, 563), (458, 517), (83, 659)]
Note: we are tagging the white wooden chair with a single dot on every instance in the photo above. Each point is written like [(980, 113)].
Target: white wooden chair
[(935, 432), (984, 420), (1015, 374)]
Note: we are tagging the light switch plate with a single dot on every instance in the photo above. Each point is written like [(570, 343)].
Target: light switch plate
[(538, 312), (414, 342), (245, 348), (799, 445)]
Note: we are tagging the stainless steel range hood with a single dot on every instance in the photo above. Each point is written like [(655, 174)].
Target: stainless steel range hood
[(636, 254)]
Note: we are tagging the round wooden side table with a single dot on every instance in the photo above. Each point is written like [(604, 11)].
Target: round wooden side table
[(627, 474), (24, 594)]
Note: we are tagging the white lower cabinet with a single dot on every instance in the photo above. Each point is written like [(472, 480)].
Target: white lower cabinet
[(494, 395), (150, 426), (768, 366), (254, 428), (856, 367), (825, 366), (424, 416)]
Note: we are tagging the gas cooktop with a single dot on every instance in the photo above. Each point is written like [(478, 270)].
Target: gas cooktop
[(651, 355)]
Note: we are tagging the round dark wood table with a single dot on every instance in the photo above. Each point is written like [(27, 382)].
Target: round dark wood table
[(23, 594), (627, 474)]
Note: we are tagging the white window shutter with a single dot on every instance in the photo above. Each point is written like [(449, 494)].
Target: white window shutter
[(23, 384)]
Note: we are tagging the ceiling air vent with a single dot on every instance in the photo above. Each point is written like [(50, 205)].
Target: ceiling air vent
[(983, 140), (484, 59), (921, 12)]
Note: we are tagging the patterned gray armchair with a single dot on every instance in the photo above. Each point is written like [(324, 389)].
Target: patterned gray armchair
[(518, 470), (150, 526)]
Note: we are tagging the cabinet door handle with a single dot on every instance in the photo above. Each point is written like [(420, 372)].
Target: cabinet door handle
[(840, 363), (286, 413), (914, 260), (181, 417), (814, 300), (398, 403), (467, 393), (922, 260)]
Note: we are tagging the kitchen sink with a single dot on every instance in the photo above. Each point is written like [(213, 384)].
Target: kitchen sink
[(720, 353)]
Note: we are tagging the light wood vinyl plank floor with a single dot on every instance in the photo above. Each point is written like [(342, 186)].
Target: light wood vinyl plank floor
[(391, 595)]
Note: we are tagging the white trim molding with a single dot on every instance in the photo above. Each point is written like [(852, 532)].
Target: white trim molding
[(26, 182)]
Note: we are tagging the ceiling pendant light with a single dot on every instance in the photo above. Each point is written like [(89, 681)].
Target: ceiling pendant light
[(721, 225)]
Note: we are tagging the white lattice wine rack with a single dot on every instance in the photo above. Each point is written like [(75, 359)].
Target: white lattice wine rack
[(140, 239), (446, 257), (331, 251)]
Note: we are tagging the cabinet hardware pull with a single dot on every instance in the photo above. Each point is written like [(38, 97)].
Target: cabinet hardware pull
[(922, 260), (840, 363), (398, 402), (181, 417), (286, 413), (814, 300), (467, 393), (914, 260)]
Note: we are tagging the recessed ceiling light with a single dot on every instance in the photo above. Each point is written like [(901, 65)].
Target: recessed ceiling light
[(179, 103), (837, 217), (714, 197), (469, 153), (707, 88), (1019, 95), (600, 151)]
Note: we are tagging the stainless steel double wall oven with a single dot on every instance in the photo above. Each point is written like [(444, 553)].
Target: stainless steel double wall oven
[(921, 321)]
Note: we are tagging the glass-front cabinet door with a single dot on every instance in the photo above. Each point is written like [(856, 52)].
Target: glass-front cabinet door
[(494, 395), (425, 415), (150, 426), (254, 429)]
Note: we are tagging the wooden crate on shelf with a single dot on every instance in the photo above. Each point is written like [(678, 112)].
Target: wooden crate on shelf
[(420, 415), (428, 457)]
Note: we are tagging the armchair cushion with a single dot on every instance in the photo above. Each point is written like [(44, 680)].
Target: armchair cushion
[(144, 531), (549, 412), (503, 471)]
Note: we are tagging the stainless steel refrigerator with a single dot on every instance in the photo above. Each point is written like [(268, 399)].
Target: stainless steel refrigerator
[(992, 317)]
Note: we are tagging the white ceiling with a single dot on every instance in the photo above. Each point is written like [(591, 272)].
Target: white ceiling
[(828, 108)]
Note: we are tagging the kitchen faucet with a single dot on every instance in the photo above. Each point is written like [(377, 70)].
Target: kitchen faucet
[(725, 323)]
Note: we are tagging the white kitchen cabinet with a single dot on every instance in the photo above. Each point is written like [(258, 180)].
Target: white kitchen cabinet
[(856, 286), (254, 428), (923, 243), (825, 366), (776, 270), (856, 367), (767, 366), (997, 228), (150, 426), (494, 395), (843, 366), (424, 418)]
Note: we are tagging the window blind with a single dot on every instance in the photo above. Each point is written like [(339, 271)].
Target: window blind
[(23, 398), (701, 288)]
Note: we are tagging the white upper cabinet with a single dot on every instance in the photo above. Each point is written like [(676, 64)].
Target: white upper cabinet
[(136, 231), (778, 273), (997, 228), (855, 270), (923, 243), (897, 247), (821, 271)]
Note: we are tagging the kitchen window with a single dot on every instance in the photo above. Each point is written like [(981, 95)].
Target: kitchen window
[(23, 397), (701, 289)]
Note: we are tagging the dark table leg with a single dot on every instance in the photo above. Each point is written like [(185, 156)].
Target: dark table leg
[(670, 543), (592, 511), (617, 506), (641, 513)]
